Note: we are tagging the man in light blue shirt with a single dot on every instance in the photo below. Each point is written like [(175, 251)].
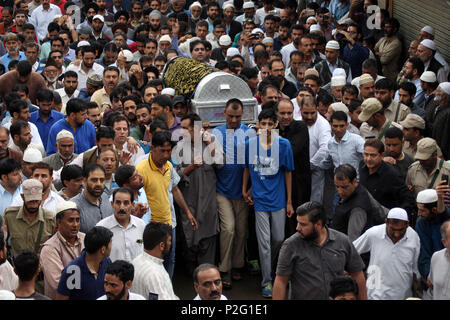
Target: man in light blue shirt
[(10, 183), (344, 147), (12, 48)]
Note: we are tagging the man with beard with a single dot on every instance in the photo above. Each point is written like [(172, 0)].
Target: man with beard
[(432, 214), (87, 67), (9, 279), (12, 48), (64, 246), (107, 158), (101, 39), (130, 103), (413, 69), (10, 177), (29, 219), (212, 12), (155, 24), (5, 152), (143, 111), (389, 49), (313, 256), (426, 51), (89, 268), (70, 88), (438, 277), (127, 229), (50, 74), (277, 69), (42, 172), (440, 118), (207, 283), (151, 279), (65, 154), (93, 203), (394, 155), (111, 76), (94, 115), (110, 54), (150, 48), (118, 280), (406, 95), (384, 91), (162, 106)]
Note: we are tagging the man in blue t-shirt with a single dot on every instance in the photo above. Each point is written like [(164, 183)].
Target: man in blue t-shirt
[(233, 210), (83, 278), (269, 165)]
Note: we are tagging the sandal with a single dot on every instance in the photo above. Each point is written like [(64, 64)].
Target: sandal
[(226, 280), (236, 275)]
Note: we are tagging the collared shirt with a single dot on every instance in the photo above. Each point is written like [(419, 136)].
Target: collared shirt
[(36, 139), (41, 18), (6, 198), (44, 127), (91, 286), (368, 132), (50, 203), (8, 278), (222, 297), (176, 125), (84, 136), (156, 186), (440, 275), (418, 177), (23, 233), (91, 213), (335, 66), (57, 253), (82, 75), (131, 296), (349, 150), (127, 242), (100, 97), (392, 265), (311, 267), (65, 97), (391, 111), (151, 279), (6, 59)]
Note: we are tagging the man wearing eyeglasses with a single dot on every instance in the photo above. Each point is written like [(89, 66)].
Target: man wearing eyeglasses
[(354, 52)]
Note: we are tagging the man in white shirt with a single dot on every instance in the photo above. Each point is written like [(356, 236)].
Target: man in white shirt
[(87, 67), (151, 278), (127, 229), (19, 110), (8, 279), (70, 88), (118, 279), (438, 279), (319, 134), (394, 252), (42, 16), (208, 283)]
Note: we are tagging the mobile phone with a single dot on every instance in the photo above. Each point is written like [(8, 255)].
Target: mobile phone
[(309, 13), (445, 177)]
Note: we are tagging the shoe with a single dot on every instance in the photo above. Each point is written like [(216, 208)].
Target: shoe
[(254, 267), (226, 280), (267, 291)]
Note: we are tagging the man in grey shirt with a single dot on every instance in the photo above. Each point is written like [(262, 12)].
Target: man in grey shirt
[(93, 203), (314, 256)]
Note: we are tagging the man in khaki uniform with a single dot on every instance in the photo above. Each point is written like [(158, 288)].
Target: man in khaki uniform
[(413, 129), (427, 172), (393, 110), (375, 124)]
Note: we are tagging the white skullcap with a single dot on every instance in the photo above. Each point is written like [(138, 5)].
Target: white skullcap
[(315, 27), (57, 16), (312, 18), (128, 54), (427, 196), (64, 134), (195, 4), (339, 72), (7, 295), (428, 76), (154, 13), (32, 155), (165, 37), (398, 213), (65, 205), (333, 44), (248, 5), (429, 44), (168, 91), (257, 30), (231, 52), (428, 29), (445, 86), (338, 81), (339, 106), (228, 4), (83, 43), (267, 40), (364, 78), (225, 40)]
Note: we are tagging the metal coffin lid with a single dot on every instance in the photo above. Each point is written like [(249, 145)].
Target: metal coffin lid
[(214, 90)]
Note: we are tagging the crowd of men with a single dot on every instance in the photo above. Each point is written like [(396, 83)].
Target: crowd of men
[(342, 190)]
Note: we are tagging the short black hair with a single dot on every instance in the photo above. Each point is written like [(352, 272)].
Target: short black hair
[(341, 285), (155, 233), (92, 167), (75, 105), (339, 116), (234, 102), (96, 238), (123, 174), (105, 132), (353, 105), (8, 165), (345, 171), (17, 106), (267, 113), (350, 89), (158, 124), (17, 127), (314, 210), (393, 133), (24, 68), (26, 264), (123, 190), (44, 95), (70, 172), (408, 87), (163, 101), (159, 138), (385, 83), (202, 267), (121, 269)]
